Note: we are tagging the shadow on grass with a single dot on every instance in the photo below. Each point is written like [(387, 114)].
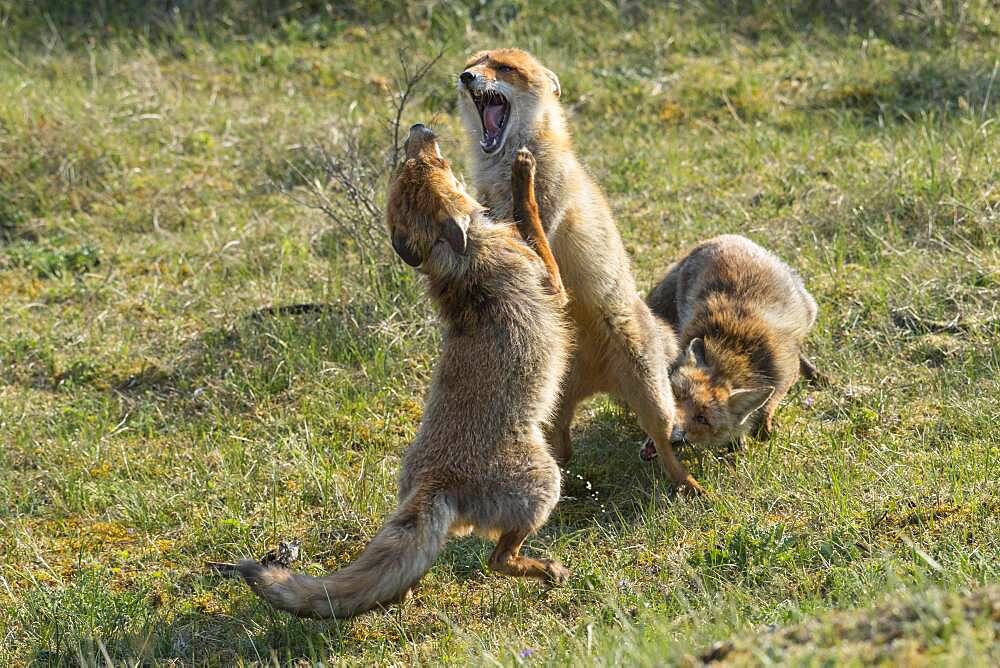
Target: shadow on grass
[(12, 218), (231, 368), (75, 22), (904, 23), (606, 482), (255, 632), (250, 632), (146, 624), (264, 353), (939, 87)]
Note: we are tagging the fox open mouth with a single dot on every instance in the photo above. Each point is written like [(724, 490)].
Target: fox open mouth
[(494, 110)]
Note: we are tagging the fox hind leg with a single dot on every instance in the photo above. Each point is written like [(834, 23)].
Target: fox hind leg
[(577, 385), (507, 559)]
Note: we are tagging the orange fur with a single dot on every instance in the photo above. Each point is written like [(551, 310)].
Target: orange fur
[(621, 348), (526, 215)]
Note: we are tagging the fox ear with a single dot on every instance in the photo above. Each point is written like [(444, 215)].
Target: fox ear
[(402, 248), (744, 402), (696, 353), (454, 233), (556, 88)]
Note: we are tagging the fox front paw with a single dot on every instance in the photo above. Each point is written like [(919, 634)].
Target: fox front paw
[(647, 452), (524, 163), (691, 488)]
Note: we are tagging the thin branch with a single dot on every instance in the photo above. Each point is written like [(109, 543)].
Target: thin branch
[(405, 91), (345, 178)]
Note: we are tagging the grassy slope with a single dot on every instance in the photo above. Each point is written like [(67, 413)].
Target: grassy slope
[(148, 422)]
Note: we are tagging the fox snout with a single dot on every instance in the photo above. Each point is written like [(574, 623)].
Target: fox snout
[(420, 138), (473, 82), (678, 435), (476, 82)]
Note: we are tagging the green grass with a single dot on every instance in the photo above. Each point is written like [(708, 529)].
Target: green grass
[(155, 414)]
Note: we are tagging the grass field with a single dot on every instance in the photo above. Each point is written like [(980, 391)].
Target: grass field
[(159, 176)]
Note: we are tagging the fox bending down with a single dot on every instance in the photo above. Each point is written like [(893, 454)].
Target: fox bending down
[(479, 462), (742, 315), (508, 100)]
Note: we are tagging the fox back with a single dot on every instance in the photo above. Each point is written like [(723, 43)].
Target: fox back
[(742, 315)]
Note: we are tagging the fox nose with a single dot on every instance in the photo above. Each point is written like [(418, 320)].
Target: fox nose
[(422, 131), (677, 435), (419, 135), (467, 78)]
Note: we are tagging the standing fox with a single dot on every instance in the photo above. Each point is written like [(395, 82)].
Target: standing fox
[(508, 100), (742, 315), (479, 461)]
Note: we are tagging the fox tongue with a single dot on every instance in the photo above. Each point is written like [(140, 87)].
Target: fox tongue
[(492, 115)]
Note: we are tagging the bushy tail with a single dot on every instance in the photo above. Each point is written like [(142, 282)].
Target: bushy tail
[(395, 559)]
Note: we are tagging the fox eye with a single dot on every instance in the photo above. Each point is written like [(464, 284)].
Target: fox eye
[(701, 419), (504, 68)]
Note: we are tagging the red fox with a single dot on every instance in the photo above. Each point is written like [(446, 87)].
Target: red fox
[(479, 462), (742, 315), (508, 100)]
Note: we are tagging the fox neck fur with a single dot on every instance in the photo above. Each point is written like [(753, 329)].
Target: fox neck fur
[(740, 345), (498, 271), (542, 130)]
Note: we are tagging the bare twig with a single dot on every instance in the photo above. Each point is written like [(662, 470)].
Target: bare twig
[(405, 89), (346, 183)]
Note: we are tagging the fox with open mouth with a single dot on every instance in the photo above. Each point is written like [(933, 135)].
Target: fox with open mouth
[(509, 100), (499, 91)]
